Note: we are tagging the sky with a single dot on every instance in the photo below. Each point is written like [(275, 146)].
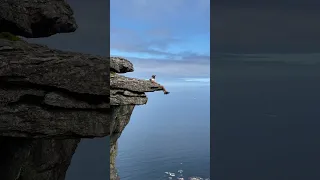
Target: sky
[(168, 38), (280, 30)]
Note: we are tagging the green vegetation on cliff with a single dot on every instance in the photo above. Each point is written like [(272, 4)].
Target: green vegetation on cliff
[(112, 74), (9, 36)]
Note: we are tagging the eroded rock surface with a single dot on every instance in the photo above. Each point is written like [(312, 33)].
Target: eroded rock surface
[(36, 18), (120, 65), (52, 93)]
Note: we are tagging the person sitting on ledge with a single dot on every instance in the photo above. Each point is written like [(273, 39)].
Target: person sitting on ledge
[(153, 80)]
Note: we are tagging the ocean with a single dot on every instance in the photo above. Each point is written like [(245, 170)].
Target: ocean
[(168, 134), (265, 121)]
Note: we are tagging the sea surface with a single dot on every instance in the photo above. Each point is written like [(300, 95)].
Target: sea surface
[(265, 121), (170, 133)]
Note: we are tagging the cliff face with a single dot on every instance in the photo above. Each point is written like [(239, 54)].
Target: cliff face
[(49, 99), (125, 94), (35, 159)]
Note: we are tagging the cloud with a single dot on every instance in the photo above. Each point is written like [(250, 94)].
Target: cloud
[(160, 29), (201, 80), (198, 67), (185, 82), (168, 38), (126, 40), (157, 42), (157, 11)]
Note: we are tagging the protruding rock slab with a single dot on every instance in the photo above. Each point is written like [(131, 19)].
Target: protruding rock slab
[(125, 90), (133, 84), (124, 97), (51, 93), (36, 18), (38, 65)]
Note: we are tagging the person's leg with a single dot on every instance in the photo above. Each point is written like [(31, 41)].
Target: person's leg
[(164, 90)]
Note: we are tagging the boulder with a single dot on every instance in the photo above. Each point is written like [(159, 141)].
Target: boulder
[(36, 18), (120, 65)]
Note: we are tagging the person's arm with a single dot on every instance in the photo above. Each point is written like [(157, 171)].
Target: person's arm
[(153, 81)]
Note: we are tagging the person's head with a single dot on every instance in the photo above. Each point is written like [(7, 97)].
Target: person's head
[(153, 76)]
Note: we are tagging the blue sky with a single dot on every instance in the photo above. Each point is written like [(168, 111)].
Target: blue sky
[(170, 38)]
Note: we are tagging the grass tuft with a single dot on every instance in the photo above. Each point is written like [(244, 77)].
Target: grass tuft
[(112, 74)]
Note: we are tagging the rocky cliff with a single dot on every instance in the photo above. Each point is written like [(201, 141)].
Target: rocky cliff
[(51, 99), (125, 94), (41, 121)]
